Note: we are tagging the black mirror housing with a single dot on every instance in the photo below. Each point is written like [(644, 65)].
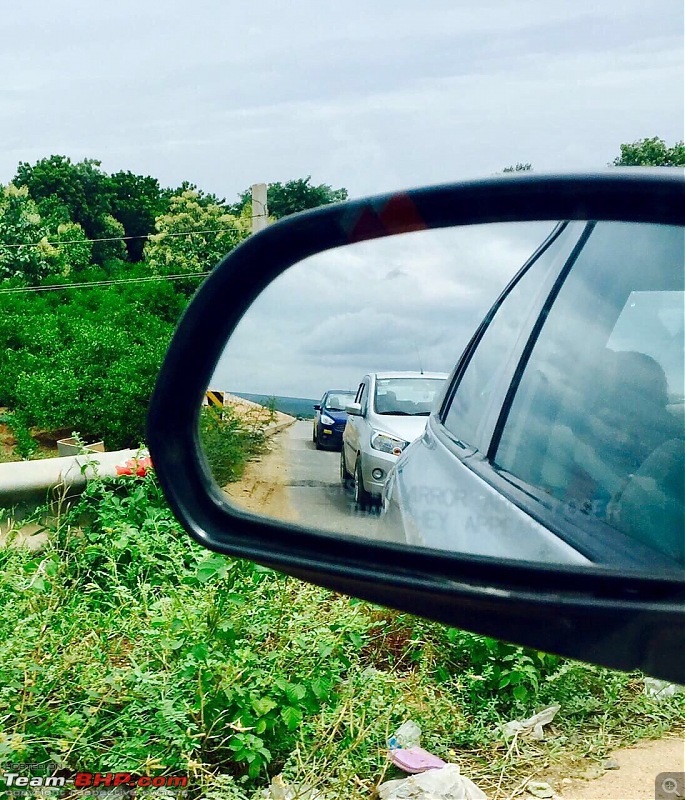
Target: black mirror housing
[(597, 615)]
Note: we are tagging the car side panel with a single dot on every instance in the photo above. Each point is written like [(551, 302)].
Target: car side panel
[(434, 500)]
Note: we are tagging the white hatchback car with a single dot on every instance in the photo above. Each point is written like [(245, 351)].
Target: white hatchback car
[(390, 410)]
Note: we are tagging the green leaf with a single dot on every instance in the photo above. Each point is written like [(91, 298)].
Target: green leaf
[(262, 706), (292, 717), (200, 652), (295, 692), (520, 692), (325, 649), (515, 677)]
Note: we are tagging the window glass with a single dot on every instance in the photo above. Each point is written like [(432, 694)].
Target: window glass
[(596, 426), (411, 397), (470, 403), (338, 401)]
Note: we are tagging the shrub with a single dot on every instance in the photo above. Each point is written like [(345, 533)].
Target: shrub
[(230, 438), (127, 646)]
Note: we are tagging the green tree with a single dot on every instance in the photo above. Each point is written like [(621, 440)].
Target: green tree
[(652, 152), (136, 202), (26, 257), (83, 188), (72, 250), (193, 237), (295, 195), (519, 167), (203, 198), (111, 246)]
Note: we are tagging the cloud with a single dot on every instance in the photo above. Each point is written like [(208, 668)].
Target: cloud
[(373, 97), (335, 316)]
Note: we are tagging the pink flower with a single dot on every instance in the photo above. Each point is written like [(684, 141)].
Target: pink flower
[(135, 466)]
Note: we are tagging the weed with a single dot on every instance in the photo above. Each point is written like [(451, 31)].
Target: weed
[(126, 646), (229, 439), (25, 446)]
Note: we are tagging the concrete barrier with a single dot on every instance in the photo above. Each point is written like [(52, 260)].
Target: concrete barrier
[(27, 484)]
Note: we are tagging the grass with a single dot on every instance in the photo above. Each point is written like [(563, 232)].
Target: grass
[(126, 646), (230, 438)]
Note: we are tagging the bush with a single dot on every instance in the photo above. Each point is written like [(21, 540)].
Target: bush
[(230, 438), (88, 365), (127, 646)]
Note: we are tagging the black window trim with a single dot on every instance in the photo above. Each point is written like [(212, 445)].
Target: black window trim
[(533, 340), (364, 393)]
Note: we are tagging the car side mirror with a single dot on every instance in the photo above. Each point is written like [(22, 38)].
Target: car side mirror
[(317, 407), (580, 556), (354, 409)]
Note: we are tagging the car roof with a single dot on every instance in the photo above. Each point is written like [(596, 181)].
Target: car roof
[(384, 375)]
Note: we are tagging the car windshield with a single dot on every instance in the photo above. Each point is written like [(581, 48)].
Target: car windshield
[(338, 401), (407, 397)]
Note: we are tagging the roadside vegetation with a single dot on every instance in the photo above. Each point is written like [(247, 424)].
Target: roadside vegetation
[(231, 437), (124, 645)]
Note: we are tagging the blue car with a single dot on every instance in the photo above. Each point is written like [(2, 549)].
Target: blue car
[(330, 419)]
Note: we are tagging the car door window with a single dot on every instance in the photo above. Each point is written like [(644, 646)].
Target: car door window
[(596, 427), (363, 396), (492, 352)]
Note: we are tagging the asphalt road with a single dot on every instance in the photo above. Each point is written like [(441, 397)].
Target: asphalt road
[(313, 487)]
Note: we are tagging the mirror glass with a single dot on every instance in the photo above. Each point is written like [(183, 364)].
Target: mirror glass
[(319, 410)]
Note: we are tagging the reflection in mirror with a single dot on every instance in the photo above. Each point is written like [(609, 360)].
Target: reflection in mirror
[(317, 410)]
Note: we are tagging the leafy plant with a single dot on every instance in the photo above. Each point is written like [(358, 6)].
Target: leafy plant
[(229, 439), (25, 446), (124, 644)]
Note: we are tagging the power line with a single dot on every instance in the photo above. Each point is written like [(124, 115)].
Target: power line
[(122, 238), (87, 284)]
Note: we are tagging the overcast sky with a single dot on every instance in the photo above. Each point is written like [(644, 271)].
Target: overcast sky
[(373, 96), (407, 302)]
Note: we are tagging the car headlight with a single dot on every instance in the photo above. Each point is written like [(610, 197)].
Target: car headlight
[(327, 420), (387, 443)]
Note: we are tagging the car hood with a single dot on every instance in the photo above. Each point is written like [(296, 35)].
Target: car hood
[(338, 416), (407, 428)]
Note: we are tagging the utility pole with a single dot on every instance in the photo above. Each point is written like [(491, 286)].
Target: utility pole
[(260, 212)]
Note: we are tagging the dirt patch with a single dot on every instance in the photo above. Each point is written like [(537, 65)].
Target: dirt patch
[(634, 779), (263, 489), (46, 442)]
